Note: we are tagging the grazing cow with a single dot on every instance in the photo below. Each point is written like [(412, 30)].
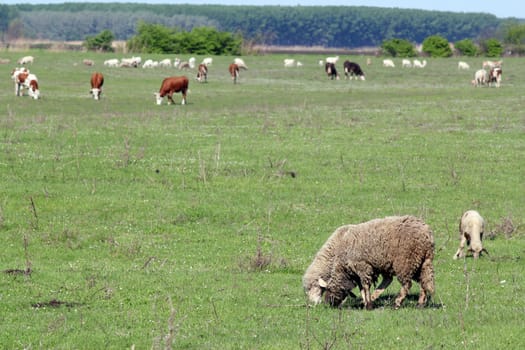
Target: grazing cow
[(331, 71), (234, 72), (480, 78), (463, 65), (30, 82), (352, 69), (170, 86), (388, 63), (406, 63), (495, 77), (202, 73), (97, 80), (26, 59), (88, 62)]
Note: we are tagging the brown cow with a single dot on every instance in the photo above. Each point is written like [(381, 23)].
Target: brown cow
[(234, 72), (97, 80), (202, 73), (171, 85)]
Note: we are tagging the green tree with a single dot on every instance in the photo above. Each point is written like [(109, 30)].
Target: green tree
[(437, 46), (466, 47), (492, 47), (100, 42), (514, 38), (156, 38), (398, 48)]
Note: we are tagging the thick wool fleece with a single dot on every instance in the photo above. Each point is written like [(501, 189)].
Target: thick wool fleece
[(401, 246)]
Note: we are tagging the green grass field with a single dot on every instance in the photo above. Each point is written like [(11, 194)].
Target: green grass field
[(190, 227)]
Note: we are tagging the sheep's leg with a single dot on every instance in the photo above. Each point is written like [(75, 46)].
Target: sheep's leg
[(365, 294), (402, 294), (382, 286), (459, 253), (426, 282)]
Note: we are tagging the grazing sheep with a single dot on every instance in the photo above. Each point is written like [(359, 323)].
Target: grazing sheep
[(471, 227), (388, 63), (480, 77), (463, 65), (355, 255), (321, 267), (419, 64), (406, 63), (240, 63)]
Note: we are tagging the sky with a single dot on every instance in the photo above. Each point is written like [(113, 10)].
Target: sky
[(500, 8)]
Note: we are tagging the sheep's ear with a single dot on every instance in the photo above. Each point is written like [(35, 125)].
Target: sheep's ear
[(322, 283)]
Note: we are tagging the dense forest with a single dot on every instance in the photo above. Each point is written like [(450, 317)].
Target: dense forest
[(328, 26)]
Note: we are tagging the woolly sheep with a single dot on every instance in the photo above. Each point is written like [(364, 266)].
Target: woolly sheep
[(471, 227), (320, 268), (355, 255)]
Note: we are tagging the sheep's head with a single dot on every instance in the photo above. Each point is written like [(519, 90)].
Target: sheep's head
[(335, 292)]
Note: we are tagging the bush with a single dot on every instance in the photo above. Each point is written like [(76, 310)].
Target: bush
[(398, 48), (437, 46), (101, 42), (492, 48), (156, 38), (467, 48)]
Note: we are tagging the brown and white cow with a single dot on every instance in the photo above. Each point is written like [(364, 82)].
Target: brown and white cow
[(495, 76), (25, 80), (234, 72), (97, 80), (171, 85), (202, 73)]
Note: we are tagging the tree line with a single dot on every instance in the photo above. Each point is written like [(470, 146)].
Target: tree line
[(328, 26)]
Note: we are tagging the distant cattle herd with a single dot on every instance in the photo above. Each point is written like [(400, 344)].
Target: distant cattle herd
[(490, 73)]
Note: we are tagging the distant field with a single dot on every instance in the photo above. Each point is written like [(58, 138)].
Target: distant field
[(190, 227)]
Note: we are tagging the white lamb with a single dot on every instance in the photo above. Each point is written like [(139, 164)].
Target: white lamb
[(471, 227)]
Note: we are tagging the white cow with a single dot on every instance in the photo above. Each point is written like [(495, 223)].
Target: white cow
[(406, 63)]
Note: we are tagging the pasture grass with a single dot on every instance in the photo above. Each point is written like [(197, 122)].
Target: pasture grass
[(131, 225)]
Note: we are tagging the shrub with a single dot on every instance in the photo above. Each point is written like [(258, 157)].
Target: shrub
[(398, 48), (437, 46), (492, 47), (100, 42), (466, 47)]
